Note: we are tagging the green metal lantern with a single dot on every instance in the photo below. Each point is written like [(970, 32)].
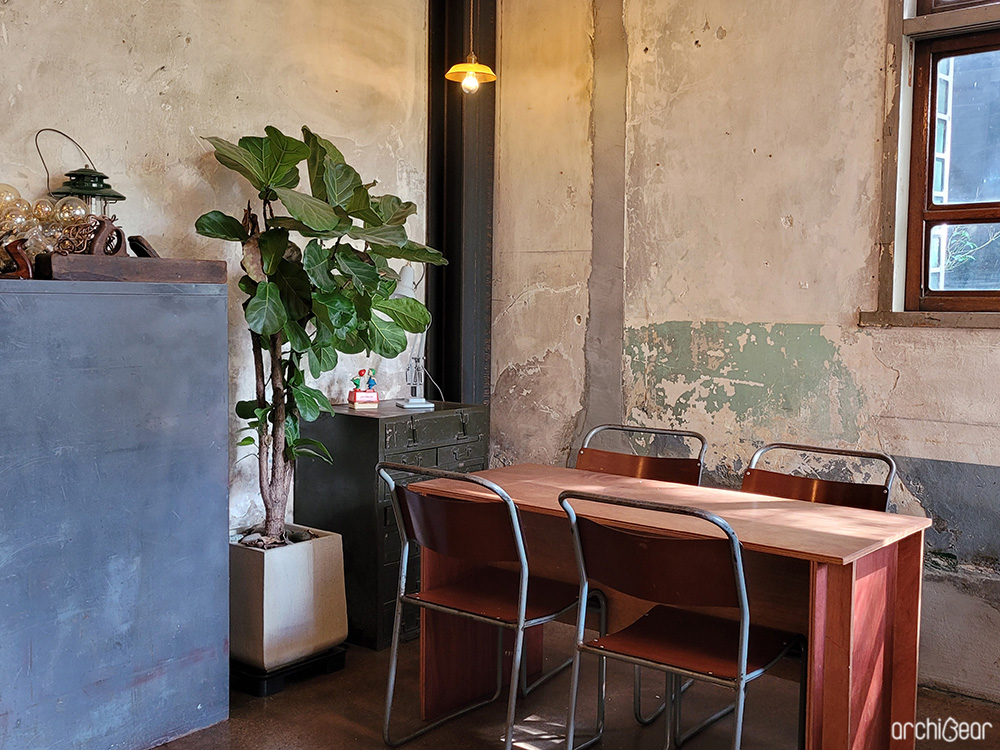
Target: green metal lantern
[(89, 185)]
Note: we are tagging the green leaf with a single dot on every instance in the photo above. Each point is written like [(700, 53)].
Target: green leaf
[(296, 291), (272, 244), (351, 344), (246, 409), (318, 266), (364, 275), (266, 314), (248, 440), (322, 359), (248, 286), (387, 235), (313, 213), (319, 150), (240, 160), (341, 181), (293, 225), (337, 313), (410, 314), (310, 402), (297, 337), (385, 338), (413, 251), (394, 211), (360, 207), (314, 448), (220, 226), (282, 154)]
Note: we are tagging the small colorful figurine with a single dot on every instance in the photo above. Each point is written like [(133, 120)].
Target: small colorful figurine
[(364, 395)]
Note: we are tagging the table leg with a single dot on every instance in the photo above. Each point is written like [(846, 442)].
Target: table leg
[(863, 648), (906, 632), (457, 655)]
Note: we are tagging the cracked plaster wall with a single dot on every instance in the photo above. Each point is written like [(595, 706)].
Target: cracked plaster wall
[(542, 216), (752, 199), (752, 191), (136, 83)]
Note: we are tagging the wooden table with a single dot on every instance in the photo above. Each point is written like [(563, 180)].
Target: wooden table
[(849, 579)]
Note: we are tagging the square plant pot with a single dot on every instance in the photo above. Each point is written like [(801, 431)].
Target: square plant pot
[(286, 603)]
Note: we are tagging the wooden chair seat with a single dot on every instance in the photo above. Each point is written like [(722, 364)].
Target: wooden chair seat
[(695, 642), (492, 593)]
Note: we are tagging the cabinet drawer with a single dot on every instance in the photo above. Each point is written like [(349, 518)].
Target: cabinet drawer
[(425, 458), (455, 455), (435, 428)]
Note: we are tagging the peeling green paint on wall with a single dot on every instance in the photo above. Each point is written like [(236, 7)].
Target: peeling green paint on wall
[(762, 374)]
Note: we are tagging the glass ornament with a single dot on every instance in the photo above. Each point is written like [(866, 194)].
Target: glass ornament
[(70, 210), (44, 210), (8, 194), (17, 206)]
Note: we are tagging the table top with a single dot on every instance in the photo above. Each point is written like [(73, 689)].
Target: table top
[(789, 528)]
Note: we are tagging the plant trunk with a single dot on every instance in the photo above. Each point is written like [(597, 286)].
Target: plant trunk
[(275, 497)]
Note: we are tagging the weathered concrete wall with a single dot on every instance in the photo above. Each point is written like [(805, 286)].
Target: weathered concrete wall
[(542, 215), (751, 196), (137, 83)]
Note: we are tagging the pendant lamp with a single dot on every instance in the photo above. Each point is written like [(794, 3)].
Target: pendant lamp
[(471, 73)]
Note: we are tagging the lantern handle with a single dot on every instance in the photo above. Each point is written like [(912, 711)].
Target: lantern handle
[(48, 179)]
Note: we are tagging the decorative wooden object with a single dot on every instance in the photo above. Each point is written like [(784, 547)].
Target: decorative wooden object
[(16, 252), (124, 268)]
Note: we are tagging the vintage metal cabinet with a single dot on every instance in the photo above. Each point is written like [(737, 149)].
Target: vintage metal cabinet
[(349, 498)]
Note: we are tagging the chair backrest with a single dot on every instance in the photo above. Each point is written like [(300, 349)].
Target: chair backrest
[(816, 490), (660, 569), (481, 530), (685, 470)]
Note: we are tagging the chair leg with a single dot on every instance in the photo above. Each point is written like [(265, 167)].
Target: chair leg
[(602, 666), (515, 670), (637, 701), (741, 694), (393, 665)]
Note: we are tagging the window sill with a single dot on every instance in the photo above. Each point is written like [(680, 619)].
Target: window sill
[(920, 319)]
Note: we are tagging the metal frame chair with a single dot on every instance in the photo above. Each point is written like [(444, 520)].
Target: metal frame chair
[(684, 470), (816, 490), (679, 642), (473, 531), (662, 468)]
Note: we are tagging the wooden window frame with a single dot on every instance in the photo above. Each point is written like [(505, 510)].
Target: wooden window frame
[(923, 214), (926, 7)]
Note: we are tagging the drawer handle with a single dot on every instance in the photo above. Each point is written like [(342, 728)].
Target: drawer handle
[(462, 452), (413, 431)]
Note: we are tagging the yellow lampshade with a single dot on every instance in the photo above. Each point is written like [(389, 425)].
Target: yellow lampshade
[(470, 74)]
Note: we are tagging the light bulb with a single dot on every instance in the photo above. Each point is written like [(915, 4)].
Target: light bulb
[(8, 194), (44, 210), (70, 210), (470, 84)]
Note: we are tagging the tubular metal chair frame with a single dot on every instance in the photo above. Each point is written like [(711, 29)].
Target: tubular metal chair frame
[(635, 429), (703, 443), (673, 673), (519, 626), (873, 455)]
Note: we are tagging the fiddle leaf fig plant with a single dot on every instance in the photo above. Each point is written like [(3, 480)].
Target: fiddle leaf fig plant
[(305, 305)]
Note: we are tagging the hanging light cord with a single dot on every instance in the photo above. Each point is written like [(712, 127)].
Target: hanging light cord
[(471, 18), (90, 161)]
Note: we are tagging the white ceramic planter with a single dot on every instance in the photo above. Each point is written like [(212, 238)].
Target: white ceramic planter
[(286, 603)]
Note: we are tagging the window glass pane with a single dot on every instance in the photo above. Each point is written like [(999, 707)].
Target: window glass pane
[(967, 129), (940, 144), (971, 258)]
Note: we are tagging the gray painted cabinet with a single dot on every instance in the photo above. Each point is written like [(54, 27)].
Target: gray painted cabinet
[(114, 467)]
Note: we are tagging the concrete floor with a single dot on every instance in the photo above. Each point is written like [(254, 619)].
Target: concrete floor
[(344, 711)]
